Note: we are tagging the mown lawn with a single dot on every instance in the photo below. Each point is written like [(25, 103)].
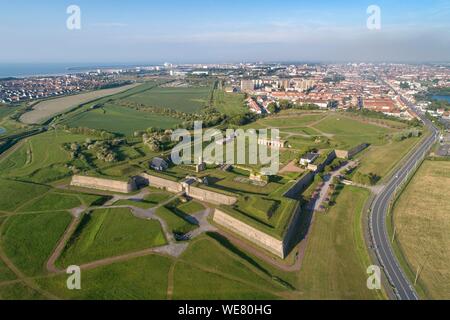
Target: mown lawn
[(175, 220), (5, 272), (209, 254), (41, 159), (194, 283), (143, 278), (188, 99), (293, 121), (229, 103), (110, 232), (381, 159), (422, 220), (348, 133), (14, 193), (52, 201), (19, 291), (117, 119), (29, 239), (336, 258)]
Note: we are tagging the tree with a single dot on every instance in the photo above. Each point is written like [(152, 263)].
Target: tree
[(272, 107)]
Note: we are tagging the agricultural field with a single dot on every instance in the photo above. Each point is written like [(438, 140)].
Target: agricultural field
[(185, 99), (52, 107), (229, 103), (121, 120), (421, 217), (110, 232)]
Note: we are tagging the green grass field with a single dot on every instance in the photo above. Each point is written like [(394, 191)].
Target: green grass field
[(9, 201), (382, 159), (5, 273), (229, 103), (191, 207), (19, 291), (422, 220), (336, 257), (41, 158), (52, 201), (110, 232), (291, 121), (347, 133), (143, 278), (175, 220), (29, 239), (189, 99), (121, 120)]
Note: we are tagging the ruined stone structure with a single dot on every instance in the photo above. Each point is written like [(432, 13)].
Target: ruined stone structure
[(103, 184), (347, 154)]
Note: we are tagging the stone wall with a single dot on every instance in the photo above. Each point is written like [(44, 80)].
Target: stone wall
[(103, 184), (161, 183), (259, 238), (194, 192), (347, 154), (319, 167), (300, 185), (210, 196)]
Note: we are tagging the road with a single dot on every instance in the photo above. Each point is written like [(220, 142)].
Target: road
[(381, 241)]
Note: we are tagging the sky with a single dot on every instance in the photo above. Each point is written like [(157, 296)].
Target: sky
[(138, 31)]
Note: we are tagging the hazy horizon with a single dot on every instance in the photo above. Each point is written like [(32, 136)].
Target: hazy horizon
[(204, 31)]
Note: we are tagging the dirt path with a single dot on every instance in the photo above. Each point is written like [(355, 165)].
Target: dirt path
[(59, 248), (326, 186), (24, 279)]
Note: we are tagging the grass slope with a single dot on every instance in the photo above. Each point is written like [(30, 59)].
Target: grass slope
[(422, 219), (29, 239), (110, 232), (336, 259), (9, 190), (121, 120), (143, 278)]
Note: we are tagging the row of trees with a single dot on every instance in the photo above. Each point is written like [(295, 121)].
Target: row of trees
[(274, 107)]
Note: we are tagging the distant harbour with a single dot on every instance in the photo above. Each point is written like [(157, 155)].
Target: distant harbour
[(19, 70), (441, 98)]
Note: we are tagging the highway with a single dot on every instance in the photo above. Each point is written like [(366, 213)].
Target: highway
[(381, 241)]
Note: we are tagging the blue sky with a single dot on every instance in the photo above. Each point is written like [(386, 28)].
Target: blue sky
[(222, 31)]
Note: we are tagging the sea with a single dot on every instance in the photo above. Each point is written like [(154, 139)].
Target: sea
[(441, 98), (19, 70)]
